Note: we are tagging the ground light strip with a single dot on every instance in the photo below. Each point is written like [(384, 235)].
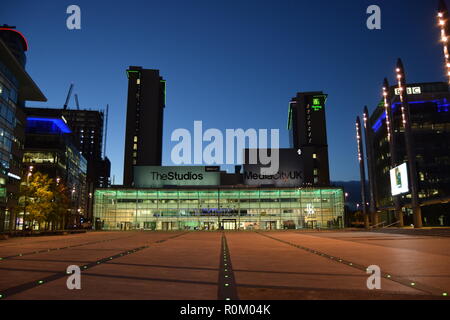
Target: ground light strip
[(61, 248), (33, 284), (226, 283), (400, 280)]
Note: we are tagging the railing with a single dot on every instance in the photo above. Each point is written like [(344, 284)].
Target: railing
[(383, 225), (379, 224), (390, 225)]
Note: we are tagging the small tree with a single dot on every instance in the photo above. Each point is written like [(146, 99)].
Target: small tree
[(60, 206), (36, 197)]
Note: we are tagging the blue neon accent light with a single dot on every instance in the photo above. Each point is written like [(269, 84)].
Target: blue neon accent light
[(442, 106), (46, 125)]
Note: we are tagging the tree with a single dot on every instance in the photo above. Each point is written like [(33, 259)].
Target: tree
[(61, 204), (43, 201)]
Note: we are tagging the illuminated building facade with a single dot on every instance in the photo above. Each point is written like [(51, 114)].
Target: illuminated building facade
[(224, 207), (16, 86), (86, 128), (430, 123), (308, 135), (49, 149)]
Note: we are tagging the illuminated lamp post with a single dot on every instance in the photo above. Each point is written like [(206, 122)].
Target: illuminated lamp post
[(443, 23), (369, 151), (409, 143), (362, 171), (391, 140), (29, 174)]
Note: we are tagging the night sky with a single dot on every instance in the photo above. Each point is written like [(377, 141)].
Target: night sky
[(231, 64)]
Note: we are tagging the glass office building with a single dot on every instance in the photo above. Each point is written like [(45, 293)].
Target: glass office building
[(231, 208), (16, 87)]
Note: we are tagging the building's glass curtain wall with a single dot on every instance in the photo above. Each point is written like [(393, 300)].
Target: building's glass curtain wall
[(212, 209)]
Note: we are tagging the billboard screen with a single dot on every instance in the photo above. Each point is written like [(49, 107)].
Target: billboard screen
[(158, 177), (290, 172), (399, 180)]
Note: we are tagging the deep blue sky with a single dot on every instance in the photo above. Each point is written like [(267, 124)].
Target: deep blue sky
[(232, 64)]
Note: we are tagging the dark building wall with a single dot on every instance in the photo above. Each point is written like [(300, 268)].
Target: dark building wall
[(309, 134), (16, 43), (144, 124)]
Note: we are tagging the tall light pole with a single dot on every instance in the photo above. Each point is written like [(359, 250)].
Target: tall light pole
[(443, 24), (391, 140), (409, 144), (362, 172), (370, 169), (29, 173)]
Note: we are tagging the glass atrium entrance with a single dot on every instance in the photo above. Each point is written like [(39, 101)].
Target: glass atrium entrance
[(219, 209)]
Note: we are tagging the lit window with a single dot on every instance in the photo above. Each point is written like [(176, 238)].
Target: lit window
[(135, 146), (135, 138), (138, 81), (314, 156)]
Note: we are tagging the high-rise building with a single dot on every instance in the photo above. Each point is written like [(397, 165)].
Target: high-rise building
[(87, 135), (16, 86), (50, 149), (430, 121), (16, 43), (307, 123), (144, 124)]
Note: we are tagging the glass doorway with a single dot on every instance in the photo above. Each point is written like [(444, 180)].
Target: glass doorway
[(229, 224)]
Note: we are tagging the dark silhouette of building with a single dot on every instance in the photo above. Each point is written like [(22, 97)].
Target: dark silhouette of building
[(144, 124), (307, 123), (15, 41), (429, 105), (16, 86)]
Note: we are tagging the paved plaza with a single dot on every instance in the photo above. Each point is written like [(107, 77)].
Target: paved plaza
[(286, 265)]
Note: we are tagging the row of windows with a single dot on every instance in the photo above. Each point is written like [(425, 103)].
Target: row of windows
[(8, 114), (6, 140), (8, 93), (5, 72)]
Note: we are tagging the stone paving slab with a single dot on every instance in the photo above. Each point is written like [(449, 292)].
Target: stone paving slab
[(181, 268), (20, 270), (263, 262), (432, 269), (185, 265), (436, 245)]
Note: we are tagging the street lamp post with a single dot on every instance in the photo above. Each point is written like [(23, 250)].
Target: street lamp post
[(442, 17), (362, 172), (370, 168), (29, 173), (409, 143), (391, 140)]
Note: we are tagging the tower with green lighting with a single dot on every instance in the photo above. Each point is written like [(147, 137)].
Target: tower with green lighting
[(308, 135), (144, 123)]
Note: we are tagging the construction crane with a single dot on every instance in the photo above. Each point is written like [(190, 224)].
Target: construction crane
[(69, 94), (106, 129), (76, 101)]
